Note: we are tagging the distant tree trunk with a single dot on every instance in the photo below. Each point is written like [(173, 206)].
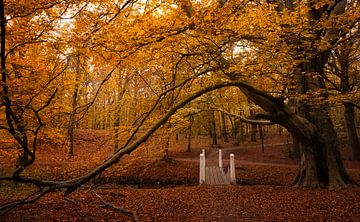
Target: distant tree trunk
[(213, 128), (191, 122), (253, 127), (261, 132), (224, 126), (242, 129), (166, 156), (72, 119), (235, 128), (121, 89), (116, 132), (253, 132), (353, 138), (343, 60)]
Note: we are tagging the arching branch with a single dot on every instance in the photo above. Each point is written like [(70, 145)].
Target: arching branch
[(73, 184), (242, 118)]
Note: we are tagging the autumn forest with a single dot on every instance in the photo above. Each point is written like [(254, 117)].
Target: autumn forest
[(106, 106)]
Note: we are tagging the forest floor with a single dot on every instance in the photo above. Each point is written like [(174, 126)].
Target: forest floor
[(168, 190)]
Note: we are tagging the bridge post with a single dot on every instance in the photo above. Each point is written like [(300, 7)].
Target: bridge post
[(232, 169), (220, 159), (202, 169)]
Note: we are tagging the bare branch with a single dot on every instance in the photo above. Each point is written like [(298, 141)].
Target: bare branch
[(244, 119), (131, 213)]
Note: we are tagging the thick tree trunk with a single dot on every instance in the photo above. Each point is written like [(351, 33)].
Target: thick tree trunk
[(321, 161), (296, 149), (353, 138)]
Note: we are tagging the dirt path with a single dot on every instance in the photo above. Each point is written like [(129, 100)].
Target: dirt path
[(211, 154)]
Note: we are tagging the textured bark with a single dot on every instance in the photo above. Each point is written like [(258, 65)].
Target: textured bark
[(321, 162), (349, 114)]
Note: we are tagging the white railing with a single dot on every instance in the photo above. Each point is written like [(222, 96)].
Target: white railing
[(220, 159), (232, 169), (202, 168), (230, 174)]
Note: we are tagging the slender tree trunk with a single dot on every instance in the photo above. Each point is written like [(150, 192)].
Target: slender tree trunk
[(166, 156), (224, 126), (121, 89), (253, 127), (349, 114), (72, 119), (235, 128), (191, 121), (213, 129), (261, 132), (253, 132)]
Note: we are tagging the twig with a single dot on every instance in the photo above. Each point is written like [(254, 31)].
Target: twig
[(132, 213)]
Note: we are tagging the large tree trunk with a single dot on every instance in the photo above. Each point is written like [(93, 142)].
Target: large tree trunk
[(321, 161), (353, 138)]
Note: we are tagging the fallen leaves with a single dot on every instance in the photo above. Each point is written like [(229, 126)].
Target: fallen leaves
[(262, 193)]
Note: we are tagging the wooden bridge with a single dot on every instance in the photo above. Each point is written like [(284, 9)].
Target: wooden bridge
[(215, 174)]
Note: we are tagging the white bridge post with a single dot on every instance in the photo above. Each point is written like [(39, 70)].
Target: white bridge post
[(202, 168), (232, 169), (220, 159)]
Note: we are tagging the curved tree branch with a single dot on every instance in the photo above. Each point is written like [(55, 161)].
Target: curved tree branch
[(243, 119), (73, 184)]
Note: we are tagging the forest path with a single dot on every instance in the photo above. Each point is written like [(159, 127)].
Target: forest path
[(211, 155)]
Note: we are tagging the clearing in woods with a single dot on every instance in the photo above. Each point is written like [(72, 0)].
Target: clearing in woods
[(169, 191)]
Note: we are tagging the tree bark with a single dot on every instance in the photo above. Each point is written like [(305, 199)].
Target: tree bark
[(224, 126), (72, 120), (349, 114), (191, 122), (213, 128), (321, 162), (253, 127), (261, 132)]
